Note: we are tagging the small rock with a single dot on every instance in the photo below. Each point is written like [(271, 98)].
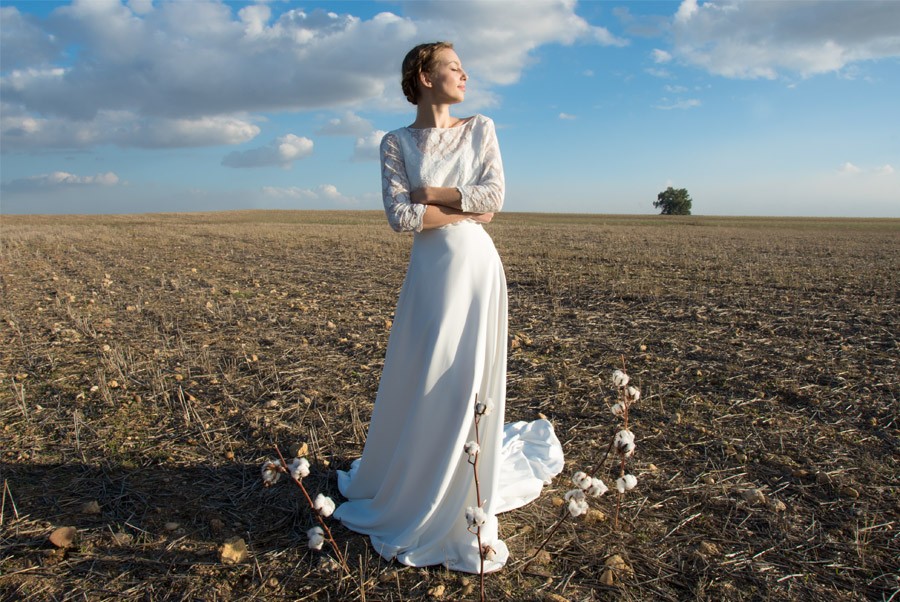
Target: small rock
[(754, 496), (558, 502), (229, 455), (271, 404), (63, 537), (595, 516), (91, 507), (330, 325), (543, 557), (850, 492), (388, 577), (616, 569), (172, 526), (777, 506), (122, 539), (437, 592), (233, 551), (652, 468), (709, 480), (298, 450)]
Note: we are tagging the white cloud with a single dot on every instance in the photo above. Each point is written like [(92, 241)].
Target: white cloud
[(282, 152), (661, 56), (206, 60), (349, 124), (367, 147), (23, 131), (60, 179), (323, 192), (744, 39), (660, 73), (567, 116), (849, 169), (675, 89), (666, 105)]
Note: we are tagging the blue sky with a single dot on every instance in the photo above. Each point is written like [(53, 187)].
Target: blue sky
[(756, 107)]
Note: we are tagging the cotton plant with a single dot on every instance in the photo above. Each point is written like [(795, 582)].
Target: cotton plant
[(322, 506), (476, 517), (587, 485)]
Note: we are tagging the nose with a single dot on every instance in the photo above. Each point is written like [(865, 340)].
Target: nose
[(465, 75)]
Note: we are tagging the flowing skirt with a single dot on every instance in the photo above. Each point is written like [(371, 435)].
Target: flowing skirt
[(410, 488)]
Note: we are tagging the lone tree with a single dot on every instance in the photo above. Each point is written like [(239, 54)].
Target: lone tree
[(673, 201)]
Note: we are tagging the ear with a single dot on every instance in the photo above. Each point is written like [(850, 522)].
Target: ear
[(425, 80)]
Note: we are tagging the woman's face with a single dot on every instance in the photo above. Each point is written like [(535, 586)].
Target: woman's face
[(447, 78)]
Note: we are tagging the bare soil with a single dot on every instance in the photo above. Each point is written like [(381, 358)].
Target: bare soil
[(149, 364)]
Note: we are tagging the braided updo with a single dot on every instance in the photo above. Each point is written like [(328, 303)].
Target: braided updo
[(419, 60)]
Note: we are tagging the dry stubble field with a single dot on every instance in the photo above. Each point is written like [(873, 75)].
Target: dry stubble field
[(150, 363)]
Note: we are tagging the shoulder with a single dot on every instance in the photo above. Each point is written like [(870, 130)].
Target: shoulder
[(481, 122), (392, 139)]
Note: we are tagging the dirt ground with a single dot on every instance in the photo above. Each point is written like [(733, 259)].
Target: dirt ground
[(150, 364)]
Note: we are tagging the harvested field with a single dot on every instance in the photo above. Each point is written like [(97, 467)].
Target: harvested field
[(151, 363)]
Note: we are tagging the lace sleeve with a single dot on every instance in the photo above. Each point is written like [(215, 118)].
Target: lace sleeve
[(402, 214), (487, 195)]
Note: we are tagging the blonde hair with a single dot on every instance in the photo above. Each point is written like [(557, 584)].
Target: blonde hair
[(419, 60)]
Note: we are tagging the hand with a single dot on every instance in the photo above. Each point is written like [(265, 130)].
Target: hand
[(483, 218)]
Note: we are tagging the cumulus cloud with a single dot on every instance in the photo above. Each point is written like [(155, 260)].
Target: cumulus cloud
[(567, 116), (661, 56), (667, 105), (23, 131), (58, 180), (323, 192), (349, 124), (208, 60), (850, 169), (744, 39), (367, 147), (282, 152)]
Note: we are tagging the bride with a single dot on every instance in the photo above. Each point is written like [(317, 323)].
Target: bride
[(442, 178)]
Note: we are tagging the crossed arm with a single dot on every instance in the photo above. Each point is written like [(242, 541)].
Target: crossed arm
[(443, 206)]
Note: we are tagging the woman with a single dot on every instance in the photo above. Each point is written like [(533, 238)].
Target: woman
[(442, 178)]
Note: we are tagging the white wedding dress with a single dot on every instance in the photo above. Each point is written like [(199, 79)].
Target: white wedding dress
[(410, 488)]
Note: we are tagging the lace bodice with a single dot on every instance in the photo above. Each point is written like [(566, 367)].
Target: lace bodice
[(465, 157)]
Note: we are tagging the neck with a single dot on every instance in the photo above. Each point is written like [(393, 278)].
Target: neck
[(433, 116)]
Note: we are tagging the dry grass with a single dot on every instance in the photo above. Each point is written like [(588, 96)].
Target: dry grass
[(150, 363)]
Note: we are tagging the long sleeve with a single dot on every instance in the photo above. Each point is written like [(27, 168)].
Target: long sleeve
[(402, 214), (487, 194)]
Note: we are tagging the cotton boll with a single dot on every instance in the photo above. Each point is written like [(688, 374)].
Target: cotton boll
[(624, 442), (626, 483), (632, 394), (324, 505), (485, 408), (618, 409), (577, 502), (597, 488), (475, 516), (471, 448), (270, 473), (316, 538), (581, 480), (620, 379), (299, 468), (488, 552)]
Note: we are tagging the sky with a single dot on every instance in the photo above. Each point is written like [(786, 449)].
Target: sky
[(756, 107)]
